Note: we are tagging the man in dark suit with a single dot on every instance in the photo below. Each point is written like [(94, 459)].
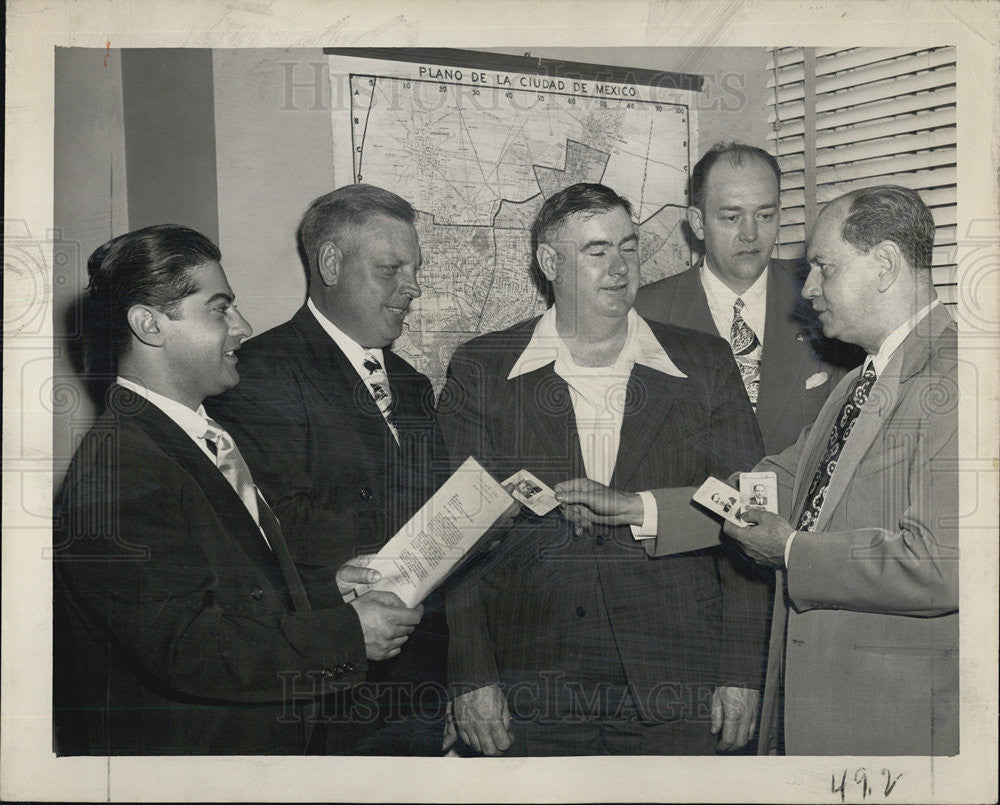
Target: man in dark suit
[(565, 642), (180, 623), (342, 438), (734, 211)]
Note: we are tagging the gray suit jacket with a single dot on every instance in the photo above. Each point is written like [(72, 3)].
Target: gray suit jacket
[(871, 655)]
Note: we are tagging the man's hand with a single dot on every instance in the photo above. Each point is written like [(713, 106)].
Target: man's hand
[(483, 720), (587, 503), (354, 572), (734, 714), (764, 540), (386, 623)]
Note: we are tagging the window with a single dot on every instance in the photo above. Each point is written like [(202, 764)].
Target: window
[(848, 118)]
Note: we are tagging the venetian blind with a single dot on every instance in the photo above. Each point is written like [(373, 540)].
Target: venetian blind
[(856, 117)]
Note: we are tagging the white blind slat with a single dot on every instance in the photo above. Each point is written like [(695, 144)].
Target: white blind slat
[(792, 125), (833, 79), (828, 62), (936, 198)]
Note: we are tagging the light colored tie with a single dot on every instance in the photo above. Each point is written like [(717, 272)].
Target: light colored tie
[(746, 350), (378, 381), (232, 466)]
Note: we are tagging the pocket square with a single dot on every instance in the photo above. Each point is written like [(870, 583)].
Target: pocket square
[(817, 379)]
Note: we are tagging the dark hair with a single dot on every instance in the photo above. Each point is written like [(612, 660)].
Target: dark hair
[(738, 154), (582, 197), (342, 210), (150, 266), (890, 212)]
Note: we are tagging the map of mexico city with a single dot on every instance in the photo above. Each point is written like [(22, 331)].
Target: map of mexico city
[(477, 151)]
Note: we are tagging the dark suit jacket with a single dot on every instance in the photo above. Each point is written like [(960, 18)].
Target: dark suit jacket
[(176, 630), (784, 404), (322, 453), (681, 624)]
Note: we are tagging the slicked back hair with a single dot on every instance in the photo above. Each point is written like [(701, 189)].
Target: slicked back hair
[(894, 213), (339, 213), (738, 154), (150, 266)]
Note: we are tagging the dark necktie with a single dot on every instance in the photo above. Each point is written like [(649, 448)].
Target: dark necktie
[(378, 381), (746, 350), (838, 437)]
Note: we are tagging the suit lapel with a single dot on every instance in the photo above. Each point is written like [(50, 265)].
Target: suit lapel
[(911, 356), (276, 538), (332, 374), (223, 498), (783, 360), (648, 400), (549, 415), (694, 312)]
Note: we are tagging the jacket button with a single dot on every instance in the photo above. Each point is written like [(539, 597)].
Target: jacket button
[(599, 540), (366, 493), (580, 612), (257, 593), (800, 337)]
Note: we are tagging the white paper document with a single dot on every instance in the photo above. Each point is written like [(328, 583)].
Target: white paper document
[(436, 538)]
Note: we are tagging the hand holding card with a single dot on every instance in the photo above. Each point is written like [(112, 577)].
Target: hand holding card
[(534, 494), (720, 498)]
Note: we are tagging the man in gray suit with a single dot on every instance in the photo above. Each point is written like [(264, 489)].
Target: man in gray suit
[(864, 642), (740, 292)]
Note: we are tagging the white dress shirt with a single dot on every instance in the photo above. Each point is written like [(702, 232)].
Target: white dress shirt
[(355, 354), (193, 422), (598, 394), (721, 300)]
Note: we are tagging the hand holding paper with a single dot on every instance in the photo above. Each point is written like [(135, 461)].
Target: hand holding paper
[(436, 538)]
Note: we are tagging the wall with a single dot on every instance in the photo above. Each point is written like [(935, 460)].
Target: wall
[(236, 142)]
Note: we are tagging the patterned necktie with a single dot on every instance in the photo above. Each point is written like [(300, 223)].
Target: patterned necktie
[(838, 437), (232, 466), (746, 350), (378, 380)]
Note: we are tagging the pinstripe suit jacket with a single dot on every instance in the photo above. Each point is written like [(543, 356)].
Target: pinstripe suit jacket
[(682, 623)]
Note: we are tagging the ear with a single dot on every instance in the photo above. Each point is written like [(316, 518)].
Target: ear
[(697, 222), (329, 262), (548, 261), (144, 321), (890, 261)]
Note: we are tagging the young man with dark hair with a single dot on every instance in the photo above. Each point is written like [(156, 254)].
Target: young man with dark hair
[(181, 625)]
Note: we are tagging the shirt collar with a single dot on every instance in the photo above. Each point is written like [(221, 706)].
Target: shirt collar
[(546, 346), (715, 288), (193, 423), (893, 341), (352, 349)]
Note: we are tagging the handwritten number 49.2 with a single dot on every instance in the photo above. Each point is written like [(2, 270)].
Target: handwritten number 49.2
[(861, 781)]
